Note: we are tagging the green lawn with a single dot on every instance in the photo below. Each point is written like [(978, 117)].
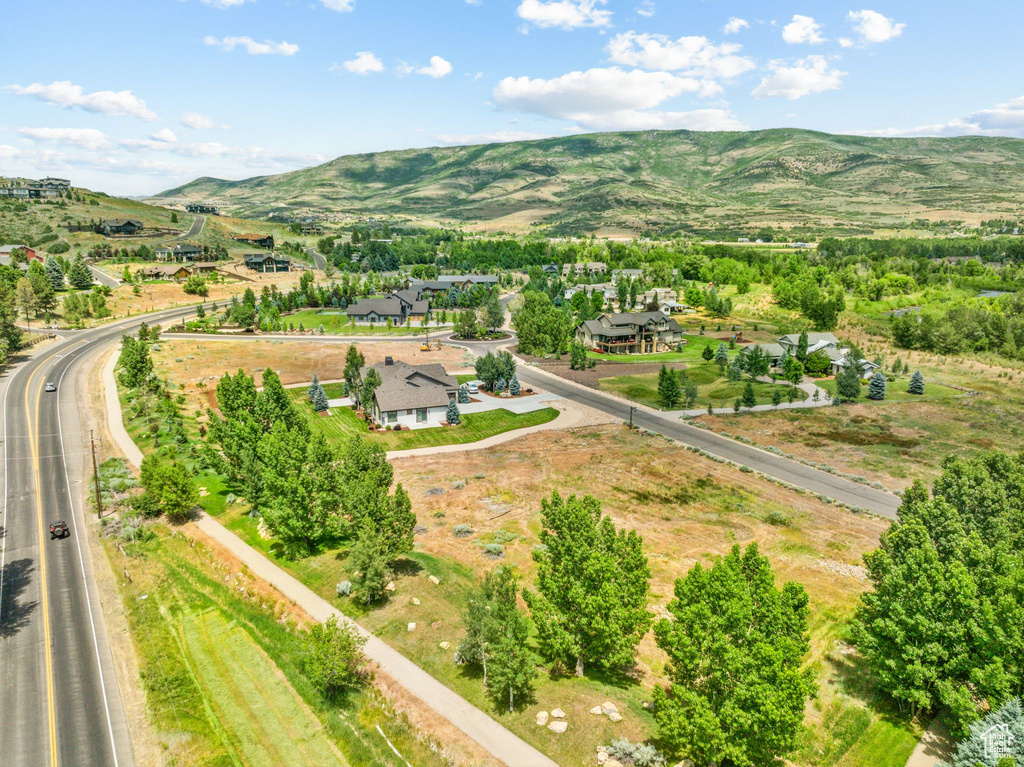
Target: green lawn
[(711, 386), (338, 324), (896, 391), (465, 377), (343, 423)]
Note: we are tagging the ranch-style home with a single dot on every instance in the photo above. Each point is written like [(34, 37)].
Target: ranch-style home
[(256, 240), (203, 207), (446, 282), (119, 226), (630, 333), (411, 396), (399, 307)]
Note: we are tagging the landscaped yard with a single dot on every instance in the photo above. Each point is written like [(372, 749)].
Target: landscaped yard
[(337, 323), (343, 423), (896, 391), (712, 387), (693, 346)]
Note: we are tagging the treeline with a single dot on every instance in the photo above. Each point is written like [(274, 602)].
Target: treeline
[(982, 325)]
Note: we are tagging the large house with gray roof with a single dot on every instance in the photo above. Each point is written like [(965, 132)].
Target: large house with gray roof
[(411, 396), (446, 282), (630, 333), (400, 307), (826, 343)]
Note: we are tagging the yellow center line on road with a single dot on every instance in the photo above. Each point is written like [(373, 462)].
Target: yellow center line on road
[(33, 428)]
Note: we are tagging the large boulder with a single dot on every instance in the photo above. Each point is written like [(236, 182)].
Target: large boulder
[(542, 718), (557, 713), (558, 726)]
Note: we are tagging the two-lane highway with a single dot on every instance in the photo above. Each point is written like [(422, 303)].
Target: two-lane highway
[(59, 698)]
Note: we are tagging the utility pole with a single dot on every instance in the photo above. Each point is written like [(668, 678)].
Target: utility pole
[(96, 476), (632, 409)]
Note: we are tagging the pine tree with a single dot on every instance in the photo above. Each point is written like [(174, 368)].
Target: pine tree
[(453, 415), (916, 385), (500, 385), (776, 396), (80, 277), (876, 389), (514, 388), (848, 381), (464, 394), (707, 354), (749, 395), (669, 388), (313, 386), (801, 347), (320, 403), (55, 273), (722, 356)]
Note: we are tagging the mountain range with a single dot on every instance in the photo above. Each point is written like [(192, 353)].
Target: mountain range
[(656, 183)]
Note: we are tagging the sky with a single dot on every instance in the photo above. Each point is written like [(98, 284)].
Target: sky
[(136, 96)]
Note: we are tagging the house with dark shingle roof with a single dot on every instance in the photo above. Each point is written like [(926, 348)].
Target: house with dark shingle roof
[(119, 226), (267, 263), (411, 396), (399, 307), (256, 240), (630, 333)]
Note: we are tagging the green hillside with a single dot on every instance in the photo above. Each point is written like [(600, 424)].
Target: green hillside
[(656, 182)]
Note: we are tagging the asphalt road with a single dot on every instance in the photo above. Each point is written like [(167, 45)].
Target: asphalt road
[(318, 260), (59, 698), (194, 230), (103, 278)]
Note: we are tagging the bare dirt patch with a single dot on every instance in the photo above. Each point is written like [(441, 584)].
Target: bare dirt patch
[(601, 370)]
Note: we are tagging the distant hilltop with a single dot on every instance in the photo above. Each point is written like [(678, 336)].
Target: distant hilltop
[(653, 183)]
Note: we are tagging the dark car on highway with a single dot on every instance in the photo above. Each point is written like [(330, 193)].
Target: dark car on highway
[(59, 529)]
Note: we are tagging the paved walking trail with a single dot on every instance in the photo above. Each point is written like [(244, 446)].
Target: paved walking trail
[(510, 749)]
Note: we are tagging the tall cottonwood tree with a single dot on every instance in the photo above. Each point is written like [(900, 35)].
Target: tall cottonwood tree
[(590, 606), (735, 645)]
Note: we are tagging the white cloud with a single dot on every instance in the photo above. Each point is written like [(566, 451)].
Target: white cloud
[(64, 93), (164, 134), (498, 137), (611, 99), (873, 27), (222, 4), (438, 67), (253, 48), (250, 156), (695, 55), (801, 78), (845, 42), (802, 29), (363, 64), (341, 6), (567, 14), (197, 121), (646, 8), (87, 138), (734, 25), (1004, 119)]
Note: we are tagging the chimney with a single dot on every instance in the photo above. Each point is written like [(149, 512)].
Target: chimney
[(388, 361)]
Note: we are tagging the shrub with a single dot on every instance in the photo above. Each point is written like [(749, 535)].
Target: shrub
[(335, 659), (493, 550), (344, 588), (462, 531), (504, 536)]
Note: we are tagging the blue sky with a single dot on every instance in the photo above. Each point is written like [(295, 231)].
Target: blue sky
[(135, 97)]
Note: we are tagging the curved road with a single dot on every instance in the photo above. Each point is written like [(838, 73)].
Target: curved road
[(318, 260), (193, 231), (59, 698)]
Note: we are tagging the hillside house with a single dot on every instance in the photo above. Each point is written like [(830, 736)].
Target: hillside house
[(267, 263), (119, 226), (627, 274), (31, 254), (204, 208), (256, 240), (606, 289), (592, 268), (57, 184), (311, 230), (826, 343), (444, 283), (412, 396), (182, 253), (164, 272), (630, 333)]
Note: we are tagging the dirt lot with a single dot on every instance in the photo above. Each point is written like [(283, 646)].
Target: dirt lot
[(601, 370), (198, 364)]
